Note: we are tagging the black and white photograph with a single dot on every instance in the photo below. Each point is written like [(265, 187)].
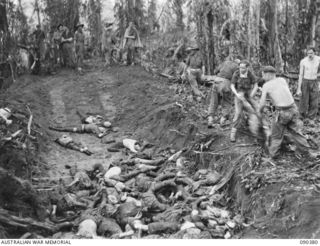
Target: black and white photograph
[(159, 119)]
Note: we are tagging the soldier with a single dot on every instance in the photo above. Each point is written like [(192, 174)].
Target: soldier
[(220, 86), (195, 69), (308, 85), (67, 47), (286, 117), (108, 43), (130, 42), (244, 87), (38, 37), (57, 34), (79, 46)]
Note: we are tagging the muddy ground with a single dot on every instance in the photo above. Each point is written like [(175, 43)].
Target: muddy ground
[(277, 199)]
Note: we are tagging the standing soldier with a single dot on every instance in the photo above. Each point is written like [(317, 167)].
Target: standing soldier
[(195, 69), (221, 86), (57, 34), (79, 46), (130, 42), (38, 37), (308, 86), (244, 87), (67, 47), (108, 43)]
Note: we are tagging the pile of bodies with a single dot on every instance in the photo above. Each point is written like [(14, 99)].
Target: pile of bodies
[(144, 197)]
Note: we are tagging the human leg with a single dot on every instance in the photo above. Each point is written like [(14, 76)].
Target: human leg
[(213, 105), (193, 76), (237, 117), (313, 99), (304, 99)]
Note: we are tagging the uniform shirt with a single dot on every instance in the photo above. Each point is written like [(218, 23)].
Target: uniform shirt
[(309, 68), (79, 37), (227, 69), (39, 36), (243, 83), (195, 61), (278, 90), (57, 37)]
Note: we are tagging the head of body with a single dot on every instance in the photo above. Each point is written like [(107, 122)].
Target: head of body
[(38, 27), (268, 73), (311, 52), (244, 66)]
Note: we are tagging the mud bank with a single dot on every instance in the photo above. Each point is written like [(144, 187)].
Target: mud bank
[(276, 200)]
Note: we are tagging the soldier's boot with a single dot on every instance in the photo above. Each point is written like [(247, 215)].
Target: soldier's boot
[(233, 134)]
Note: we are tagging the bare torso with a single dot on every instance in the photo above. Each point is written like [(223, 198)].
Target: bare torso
[(278, 90)]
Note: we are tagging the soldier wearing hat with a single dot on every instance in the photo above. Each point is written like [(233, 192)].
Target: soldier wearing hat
[(195, 69), (286, 117), (79, 46)]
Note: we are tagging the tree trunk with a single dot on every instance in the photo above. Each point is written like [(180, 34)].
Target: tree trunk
[(250, 32), (3, 17), (36, 6), (257, 30), (204, 21), (95, 25), (179, 14), (4, 32), (274, 56), (209, 43)]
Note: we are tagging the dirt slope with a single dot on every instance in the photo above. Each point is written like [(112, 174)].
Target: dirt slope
[(285, 205)]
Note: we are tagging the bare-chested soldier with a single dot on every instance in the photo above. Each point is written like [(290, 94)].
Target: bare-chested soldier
[(286, 117)]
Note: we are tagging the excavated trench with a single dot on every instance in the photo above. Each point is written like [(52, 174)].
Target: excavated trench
[(270, 200), (275, 200)]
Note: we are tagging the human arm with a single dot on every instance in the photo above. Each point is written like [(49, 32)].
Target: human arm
[(301, 73), (234, 80), (262, 102), (127, 34), (254, 90), (217, 70), (255, 85)]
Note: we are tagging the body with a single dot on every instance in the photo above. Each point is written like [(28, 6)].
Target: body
[(308, 87), (244, 87), (220, 88)]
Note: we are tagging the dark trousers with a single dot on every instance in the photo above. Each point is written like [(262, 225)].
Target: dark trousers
[(309, 98), (286, 123)]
